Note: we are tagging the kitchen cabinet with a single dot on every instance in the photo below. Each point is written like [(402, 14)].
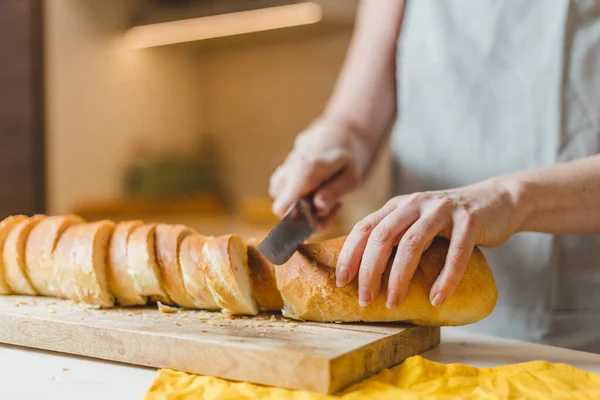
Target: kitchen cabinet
[(21, 108)]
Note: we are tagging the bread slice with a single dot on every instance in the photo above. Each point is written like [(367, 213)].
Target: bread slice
[(264, 280), (229, 275), (168, 242), (15, 271), (80, 258), (39, 249), (5, 227), (309, 291), (119, 282), (194, 271), (143, 267)]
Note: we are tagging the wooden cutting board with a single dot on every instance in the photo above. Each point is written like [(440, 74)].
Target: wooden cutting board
[(266, 349)]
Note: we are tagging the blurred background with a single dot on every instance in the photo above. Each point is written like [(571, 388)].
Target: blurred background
[(167, 110)]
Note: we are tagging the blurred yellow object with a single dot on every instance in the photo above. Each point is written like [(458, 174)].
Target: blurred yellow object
[(415, 379), (136, 207), (257, 210)]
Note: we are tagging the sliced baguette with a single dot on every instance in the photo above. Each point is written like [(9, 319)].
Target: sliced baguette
[(39, 249), (5, 227), (229, 275), (143, 267), (168, 242), (14, 256), (80, 258), (264, 280), (194, 271), (120, 282), (308, 287)]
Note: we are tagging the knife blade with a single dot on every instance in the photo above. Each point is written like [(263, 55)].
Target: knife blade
[(293, 229)]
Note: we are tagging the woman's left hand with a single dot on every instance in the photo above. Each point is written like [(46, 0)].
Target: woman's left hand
[(483, 214)]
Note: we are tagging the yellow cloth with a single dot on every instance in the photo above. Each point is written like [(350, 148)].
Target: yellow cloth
[(415, 379)]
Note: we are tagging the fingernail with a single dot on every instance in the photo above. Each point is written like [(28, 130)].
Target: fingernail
[(438, 300), (364, 296), (392, 299), (342, 276)]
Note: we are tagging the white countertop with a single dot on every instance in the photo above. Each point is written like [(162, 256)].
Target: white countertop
[(33, 374)]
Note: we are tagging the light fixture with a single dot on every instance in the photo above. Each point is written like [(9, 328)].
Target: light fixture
[(214, 26)]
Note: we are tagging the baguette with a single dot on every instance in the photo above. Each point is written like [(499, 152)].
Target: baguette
[(39, 249), (308, 287), (5, 227), (80, 260), (133, 262), (143, 268), (194, 271), (229, 275), (119, 281), (168, 242), (264, 282), (15, 270)]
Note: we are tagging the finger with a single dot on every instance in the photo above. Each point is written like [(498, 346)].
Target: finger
[(328, 196), (355, 243), (408, 255), (378, 249), (310, 174), (276, 180), (461, 247)]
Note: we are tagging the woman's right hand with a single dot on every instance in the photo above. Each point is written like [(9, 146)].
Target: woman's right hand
[(328, 160)]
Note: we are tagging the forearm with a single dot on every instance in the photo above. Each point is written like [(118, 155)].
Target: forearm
[(560, 199), (364, 98)]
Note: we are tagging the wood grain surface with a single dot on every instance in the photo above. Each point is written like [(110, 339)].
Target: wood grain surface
[(266, 349)]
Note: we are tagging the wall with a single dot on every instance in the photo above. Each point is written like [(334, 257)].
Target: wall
[(103, 98), (254, 99), (262, 96)]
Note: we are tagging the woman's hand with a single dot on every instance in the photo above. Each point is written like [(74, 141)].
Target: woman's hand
[(328, 160), (483, 214)]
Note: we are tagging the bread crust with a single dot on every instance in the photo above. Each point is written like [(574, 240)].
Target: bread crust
[(229, 275), (39, 250), (168, 242), (308, 287), (5, 227), (15, 271), (264, 280), (120, 282), (80, 258), (143, 266), (194, 271)]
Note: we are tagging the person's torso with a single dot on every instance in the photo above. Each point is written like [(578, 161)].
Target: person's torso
[(490, 87)]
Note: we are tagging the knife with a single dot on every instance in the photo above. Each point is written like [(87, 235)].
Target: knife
[(293, 229)]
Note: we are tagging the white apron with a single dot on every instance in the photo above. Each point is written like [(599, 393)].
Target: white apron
[(489, 87)]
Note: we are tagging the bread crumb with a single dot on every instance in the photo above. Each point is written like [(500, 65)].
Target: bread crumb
[(176, 323), (65, 369), (130, 314), (165, 309), (203, 330)]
